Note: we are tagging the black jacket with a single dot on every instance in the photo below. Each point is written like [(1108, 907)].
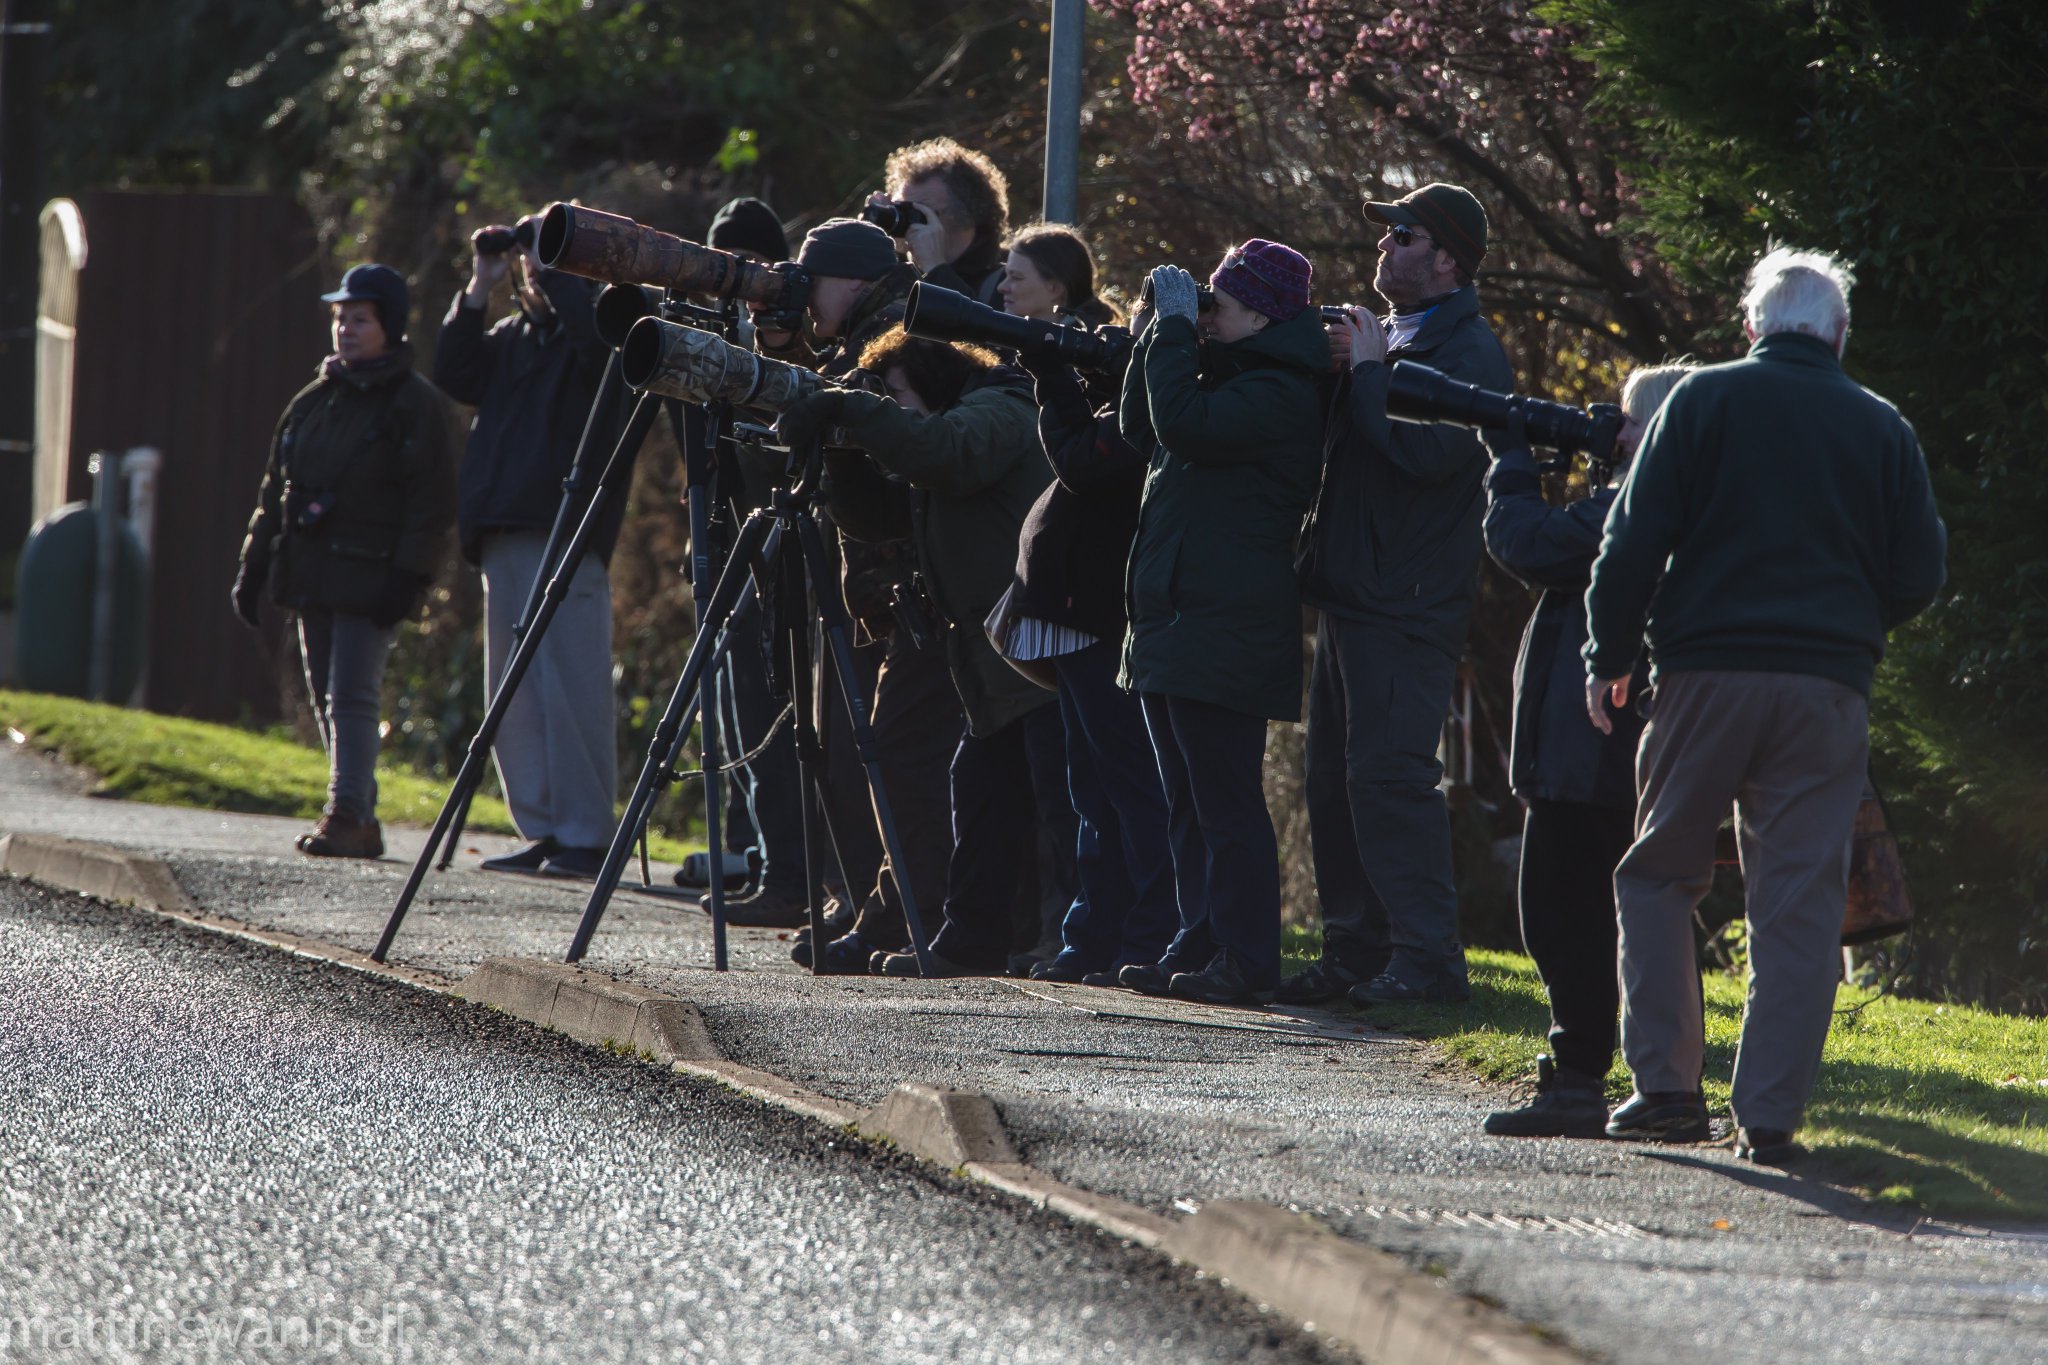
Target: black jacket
[(360, 488), (1778, 519), (1076, 541), (532, 387), (1236, 435), (1557, 755), (1394, 537), (977, 274)]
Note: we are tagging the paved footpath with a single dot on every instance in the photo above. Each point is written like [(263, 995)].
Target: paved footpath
[(1619, 1251)]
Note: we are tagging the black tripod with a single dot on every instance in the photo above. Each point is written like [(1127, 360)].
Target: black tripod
[(779, 555), (617, 309)]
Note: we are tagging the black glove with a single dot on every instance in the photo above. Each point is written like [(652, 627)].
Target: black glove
[(807, 419), (1504, 438), (248, 593), (395, 598)]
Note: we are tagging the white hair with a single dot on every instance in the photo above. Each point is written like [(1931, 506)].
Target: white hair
[(1799, 291)]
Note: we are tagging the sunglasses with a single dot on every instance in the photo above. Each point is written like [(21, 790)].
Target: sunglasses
[(1404, 235)]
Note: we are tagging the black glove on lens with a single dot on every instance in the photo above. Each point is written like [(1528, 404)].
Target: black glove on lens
[(807, 419), (1509, 436), (395, 598), (248, 593)]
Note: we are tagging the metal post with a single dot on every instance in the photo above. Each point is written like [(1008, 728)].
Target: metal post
[(1063, 114)]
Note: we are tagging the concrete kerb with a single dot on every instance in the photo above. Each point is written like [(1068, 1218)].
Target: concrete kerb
[(1363, 1298)]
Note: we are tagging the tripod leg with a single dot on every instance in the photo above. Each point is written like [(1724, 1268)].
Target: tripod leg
[(608, 390), (471, 773), (699, 458), (733, 585), (838, 635)]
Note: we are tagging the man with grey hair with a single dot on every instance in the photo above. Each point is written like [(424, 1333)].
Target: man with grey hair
[(1777, 522)]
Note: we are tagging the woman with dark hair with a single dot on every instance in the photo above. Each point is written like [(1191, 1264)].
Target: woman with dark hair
[(1050, 276), (1062, 623), (956, 428)]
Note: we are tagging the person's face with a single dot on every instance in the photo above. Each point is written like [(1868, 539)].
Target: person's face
[(907, 398), (358, 332), (1028, 292), (832, 298), (1409, 274), (933, 194), (1631, 436), (1231, 320)]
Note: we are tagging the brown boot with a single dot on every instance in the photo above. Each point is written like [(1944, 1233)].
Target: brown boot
[(340, 835)]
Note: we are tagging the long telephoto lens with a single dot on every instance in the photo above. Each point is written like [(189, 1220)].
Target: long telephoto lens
[(617, 250), (702, 367), (940, 314), (1417, 393)]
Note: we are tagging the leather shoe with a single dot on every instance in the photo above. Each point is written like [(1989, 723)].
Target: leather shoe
[(1389, 989), (528, 859), (574, 864), (344, 836), (904, 964), (764, 909), (1062, 970), (1566, 1104), (1222, 982), (1099, 979), (1767, 1146), (1666, 1116), (1318, 983), (1146, 978)]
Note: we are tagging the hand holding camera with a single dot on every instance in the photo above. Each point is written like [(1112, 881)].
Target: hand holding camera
[(1173, 293)]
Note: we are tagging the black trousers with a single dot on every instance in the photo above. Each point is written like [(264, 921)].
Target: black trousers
[(1226, 860), (1569, 852), (995, 840), (918, 723)]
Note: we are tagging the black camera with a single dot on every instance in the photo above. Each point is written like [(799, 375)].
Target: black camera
[(940, 314), (897, 217), (497, 239), (1417, 393)]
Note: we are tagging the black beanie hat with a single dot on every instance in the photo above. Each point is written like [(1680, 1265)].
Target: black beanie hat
[(850, 248), (749, 225)]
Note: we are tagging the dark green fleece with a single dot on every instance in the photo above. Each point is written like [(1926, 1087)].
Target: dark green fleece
[(1778, 519)]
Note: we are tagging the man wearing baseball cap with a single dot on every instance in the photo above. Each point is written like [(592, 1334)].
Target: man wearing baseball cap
[(1390, 558)]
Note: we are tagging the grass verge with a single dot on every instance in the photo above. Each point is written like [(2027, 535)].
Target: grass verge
[(170, 761), (1936, 1107)]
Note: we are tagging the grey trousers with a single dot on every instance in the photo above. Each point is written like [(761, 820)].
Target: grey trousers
[(557, 751), (1790, 752), (1378, 825), (344, 657)]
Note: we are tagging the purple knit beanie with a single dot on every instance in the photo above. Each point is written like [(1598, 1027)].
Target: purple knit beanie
[(1265, 277)]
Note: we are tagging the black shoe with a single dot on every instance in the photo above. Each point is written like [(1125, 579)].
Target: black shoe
[(528, 859), (763, 910), (1146, 978), (1389, 989), (1099, 979), (1317, 984), (1062, 970), (1220, 983), (1566, 1104), (739, 870), (905, 964), (1767, 1146), (1667, 1116), (581, 864)]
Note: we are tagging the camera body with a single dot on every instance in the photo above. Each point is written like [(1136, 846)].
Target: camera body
[(897, 217), (498, 239), (1417, 393)]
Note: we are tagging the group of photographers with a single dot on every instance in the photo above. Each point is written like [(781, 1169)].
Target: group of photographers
[(1081, 595)]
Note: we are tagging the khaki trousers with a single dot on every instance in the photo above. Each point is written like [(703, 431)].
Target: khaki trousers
[(1789, 751)]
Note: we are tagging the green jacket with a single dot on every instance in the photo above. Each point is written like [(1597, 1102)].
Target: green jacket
[(1236, 435), (974, 470), (360, 485), (1777, 519)]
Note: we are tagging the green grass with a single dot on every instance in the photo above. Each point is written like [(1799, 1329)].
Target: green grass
[(1936, 1107), (170, 761)]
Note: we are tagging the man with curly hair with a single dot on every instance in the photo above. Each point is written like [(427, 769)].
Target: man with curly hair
[(963, 205)]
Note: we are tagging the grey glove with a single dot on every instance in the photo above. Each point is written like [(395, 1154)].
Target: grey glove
[(1173, 293)]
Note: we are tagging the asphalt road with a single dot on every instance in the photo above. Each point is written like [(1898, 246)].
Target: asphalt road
[(213, 1151)]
